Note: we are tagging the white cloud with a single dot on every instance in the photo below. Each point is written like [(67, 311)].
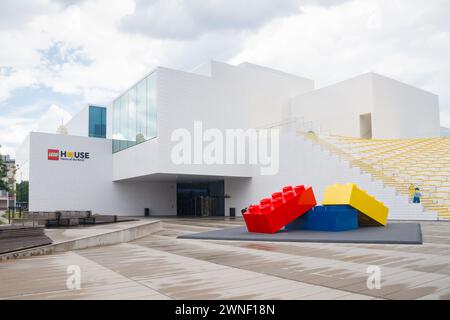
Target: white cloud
[(14, 80), (15, 14), (51, 119), (116, 59), (401, 39), (192, 18), (14, 129), (105, 46)]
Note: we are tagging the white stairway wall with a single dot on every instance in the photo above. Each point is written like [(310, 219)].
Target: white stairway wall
[(399, 207), (303, 162)]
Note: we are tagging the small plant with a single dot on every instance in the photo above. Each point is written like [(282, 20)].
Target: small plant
[(3, 217)]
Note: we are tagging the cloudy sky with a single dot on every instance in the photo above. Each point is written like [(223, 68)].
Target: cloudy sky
[(56, 56)]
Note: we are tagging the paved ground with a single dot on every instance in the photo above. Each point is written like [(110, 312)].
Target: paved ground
[(3, 219), (163, 267), (59, 235)]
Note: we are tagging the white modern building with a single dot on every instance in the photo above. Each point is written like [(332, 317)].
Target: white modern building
[(371, 106), (118, 159)]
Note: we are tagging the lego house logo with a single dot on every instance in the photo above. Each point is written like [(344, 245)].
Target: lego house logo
[(56, 155)]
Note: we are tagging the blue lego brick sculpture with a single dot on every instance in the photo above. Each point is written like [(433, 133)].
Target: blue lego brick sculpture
[(327, 218)]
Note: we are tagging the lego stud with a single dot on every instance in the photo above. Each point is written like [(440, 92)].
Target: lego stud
[(265, 209), (254, 209), (277, 202), (266, 202), (277, 195), (288, 195), (299, 189)]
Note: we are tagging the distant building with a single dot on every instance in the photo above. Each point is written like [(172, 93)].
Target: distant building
[(10, 178)]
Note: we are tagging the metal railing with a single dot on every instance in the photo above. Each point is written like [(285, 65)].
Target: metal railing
[(299, 124)]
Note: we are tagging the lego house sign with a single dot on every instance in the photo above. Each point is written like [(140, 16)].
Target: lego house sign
[(56, 155)]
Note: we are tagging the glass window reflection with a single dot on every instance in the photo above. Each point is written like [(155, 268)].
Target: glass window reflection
[(134, 115), (97, 122)]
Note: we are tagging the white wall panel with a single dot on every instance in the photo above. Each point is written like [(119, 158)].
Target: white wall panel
[(336, 108), (88, 185), (403, 111), (79, 124), (232, 97), (398, 110)]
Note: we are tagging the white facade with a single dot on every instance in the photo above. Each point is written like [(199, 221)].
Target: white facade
[(397, 110), (87, 184), (231, 97), (79, 124), (305, 163), (223, 97)]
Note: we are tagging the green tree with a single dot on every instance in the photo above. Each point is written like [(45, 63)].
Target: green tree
[(22, 191), (3, 174)]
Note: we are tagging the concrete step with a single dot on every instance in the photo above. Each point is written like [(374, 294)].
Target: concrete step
[(384, 188)]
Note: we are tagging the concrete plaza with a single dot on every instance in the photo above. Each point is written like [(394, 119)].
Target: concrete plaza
[(160, 266)]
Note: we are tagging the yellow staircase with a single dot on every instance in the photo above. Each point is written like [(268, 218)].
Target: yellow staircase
[(400, 162)]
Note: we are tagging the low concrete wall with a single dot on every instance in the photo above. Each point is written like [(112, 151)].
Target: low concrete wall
[(103, 239)]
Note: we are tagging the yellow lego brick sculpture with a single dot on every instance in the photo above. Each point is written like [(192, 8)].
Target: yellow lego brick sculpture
[(371, 211)]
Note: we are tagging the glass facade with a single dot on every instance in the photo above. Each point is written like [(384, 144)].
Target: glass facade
[(201, 199), (134, 115), (97, 122)]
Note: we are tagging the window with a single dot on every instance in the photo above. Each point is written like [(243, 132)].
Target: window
[(134, 115), (141, 111), (116, 125), (151, 107), (97, 122)]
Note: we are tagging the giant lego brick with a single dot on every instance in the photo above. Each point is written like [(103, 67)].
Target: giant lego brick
[(327, 218), (274, 213), (371, 211)]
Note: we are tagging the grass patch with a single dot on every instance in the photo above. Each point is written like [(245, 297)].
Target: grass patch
[(3, 218)]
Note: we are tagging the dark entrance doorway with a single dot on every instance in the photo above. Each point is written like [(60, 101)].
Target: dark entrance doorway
[(204, 199), (365, 125)]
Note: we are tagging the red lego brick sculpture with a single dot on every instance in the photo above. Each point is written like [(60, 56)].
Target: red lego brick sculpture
[(274, 213)]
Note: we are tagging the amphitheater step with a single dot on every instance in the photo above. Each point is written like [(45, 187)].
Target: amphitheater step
[(397, 163)]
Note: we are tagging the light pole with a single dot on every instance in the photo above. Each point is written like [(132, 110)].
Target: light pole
[(20, 186)]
